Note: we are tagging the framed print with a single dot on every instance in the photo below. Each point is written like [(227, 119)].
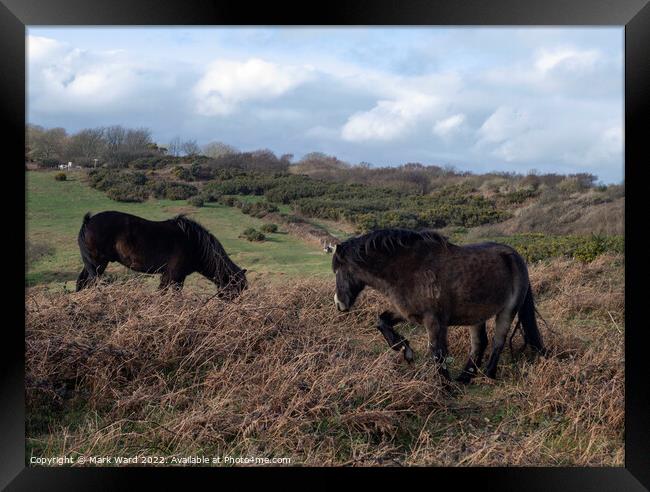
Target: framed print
[(387, 239)]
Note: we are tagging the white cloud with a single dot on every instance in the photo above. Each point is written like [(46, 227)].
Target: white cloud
[(227, 83), (566, 58), (66, 79), (388, 119), (39, 47), (505, 123), (448, 126)]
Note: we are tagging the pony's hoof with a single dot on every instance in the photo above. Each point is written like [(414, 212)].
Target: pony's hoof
[(464, 378), (409, 356)]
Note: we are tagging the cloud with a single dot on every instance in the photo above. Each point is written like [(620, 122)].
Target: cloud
[(505, 123), (566, 58), (65, 79), (388, 119), (227, 83), (40, 48), (448, 126)]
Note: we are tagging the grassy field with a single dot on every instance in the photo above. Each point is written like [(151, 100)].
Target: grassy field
[(55, 209)]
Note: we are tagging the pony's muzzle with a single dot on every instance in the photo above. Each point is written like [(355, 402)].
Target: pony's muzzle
[(339, 305)]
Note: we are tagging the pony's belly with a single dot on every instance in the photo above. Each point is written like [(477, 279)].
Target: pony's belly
[(472, 314)]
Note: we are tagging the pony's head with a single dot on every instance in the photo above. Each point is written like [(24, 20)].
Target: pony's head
[(212, 261), (237, 282), (348, 285)]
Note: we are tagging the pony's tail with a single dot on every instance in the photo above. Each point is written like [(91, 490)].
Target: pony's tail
[(526, 315), (80, 238)]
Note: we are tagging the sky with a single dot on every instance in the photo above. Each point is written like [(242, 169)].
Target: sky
[(480, 99)]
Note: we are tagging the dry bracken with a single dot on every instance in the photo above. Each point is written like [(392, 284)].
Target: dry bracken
[(121, 369)]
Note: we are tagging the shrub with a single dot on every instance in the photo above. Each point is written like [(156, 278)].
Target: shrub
[(154, 162), (49, 163), (269, 228), (228, 201), (173, 191), (60, 176), (251, 234), (182, 173), (294, 219), (127, 192), (104, 179), (519, 196), (538, 246), (196, 201), (201, 172)]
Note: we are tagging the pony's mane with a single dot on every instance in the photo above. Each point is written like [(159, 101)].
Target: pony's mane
[(213, 255), (385, 242)]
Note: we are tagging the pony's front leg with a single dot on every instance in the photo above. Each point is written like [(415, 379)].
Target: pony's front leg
[(387, 320), (82, 279), (168, 280), (437, 331), (479, 342), (89, 274)]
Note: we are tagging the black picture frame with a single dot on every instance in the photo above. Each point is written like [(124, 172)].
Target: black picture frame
[(15, 15)]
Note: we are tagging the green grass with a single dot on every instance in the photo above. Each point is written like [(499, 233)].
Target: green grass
[(55, 209)]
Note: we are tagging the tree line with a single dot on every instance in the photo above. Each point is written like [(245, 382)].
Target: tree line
[(109, 146)]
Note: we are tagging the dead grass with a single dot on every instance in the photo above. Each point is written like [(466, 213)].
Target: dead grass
[(120, 370), (578, 214)]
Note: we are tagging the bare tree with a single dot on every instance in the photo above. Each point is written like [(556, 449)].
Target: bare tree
[(136, 141), (190, 147), (46, 144), (174, 147), (218, 149), (86, 145), (114, 137)]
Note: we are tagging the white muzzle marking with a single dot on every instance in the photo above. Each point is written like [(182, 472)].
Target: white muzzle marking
[(339, 305)]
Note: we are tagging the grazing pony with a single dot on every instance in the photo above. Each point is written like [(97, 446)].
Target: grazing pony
[(175, 248), (432, 282)]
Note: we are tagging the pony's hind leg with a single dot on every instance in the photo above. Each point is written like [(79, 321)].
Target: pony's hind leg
[(387, 320), (502, 325), (479, 343)]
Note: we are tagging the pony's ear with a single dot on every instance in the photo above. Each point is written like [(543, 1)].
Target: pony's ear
[(244, 270)]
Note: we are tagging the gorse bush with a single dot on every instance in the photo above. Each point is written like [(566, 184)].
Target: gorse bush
[(520, 196), (172, 191), (121, 186), (365, 206), (60, 176), (537, 246), (251, 234), (258, 209), (182, 173), (269, 228), (155, 162), (127, 192), (196, 201)]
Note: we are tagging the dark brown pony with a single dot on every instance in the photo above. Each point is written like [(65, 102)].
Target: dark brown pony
[(174, 248), (432, 282)]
